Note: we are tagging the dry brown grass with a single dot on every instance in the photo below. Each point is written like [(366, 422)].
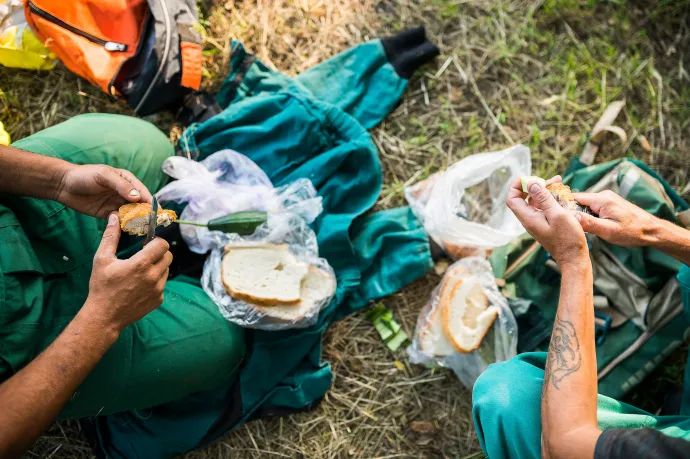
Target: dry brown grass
[(536, 72)]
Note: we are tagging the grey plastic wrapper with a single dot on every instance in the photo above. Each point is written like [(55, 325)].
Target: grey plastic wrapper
[(499, 343)]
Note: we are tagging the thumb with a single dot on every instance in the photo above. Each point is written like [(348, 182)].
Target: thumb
[(124, 187), (542, 198), (111, 237), (599, 226)]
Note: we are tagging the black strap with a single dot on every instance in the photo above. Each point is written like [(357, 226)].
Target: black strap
[(409, 50), (197, 107), (247, 61)]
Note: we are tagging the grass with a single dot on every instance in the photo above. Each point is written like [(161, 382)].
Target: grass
[(536, 72)]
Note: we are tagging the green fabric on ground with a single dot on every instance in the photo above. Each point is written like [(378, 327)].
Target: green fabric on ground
[(46, 255), (285, 126), (506, 404)]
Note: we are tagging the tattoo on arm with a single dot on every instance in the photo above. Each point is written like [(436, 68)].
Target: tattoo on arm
[(564, 353)]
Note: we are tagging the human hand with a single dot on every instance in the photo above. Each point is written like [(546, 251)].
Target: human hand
[(97, 190), (555, 228), (123, 291), (620, 222)]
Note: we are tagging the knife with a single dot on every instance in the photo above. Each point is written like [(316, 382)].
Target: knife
[(153, 220)]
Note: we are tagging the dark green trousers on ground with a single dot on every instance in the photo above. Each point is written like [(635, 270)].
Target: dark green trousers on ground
[(46, 253)]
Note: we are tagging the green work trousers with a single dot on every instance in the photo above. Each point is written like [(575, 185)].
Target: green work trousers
[(506, 404), (46, 253)]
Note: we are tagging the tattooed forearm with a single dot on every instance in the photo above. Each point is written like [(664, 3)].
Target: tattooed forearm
[(564, 353)]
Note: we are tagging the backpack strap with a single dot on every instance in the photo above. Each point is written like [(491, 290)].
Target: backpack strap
[(604, 125), (197, 107), (191, 56)]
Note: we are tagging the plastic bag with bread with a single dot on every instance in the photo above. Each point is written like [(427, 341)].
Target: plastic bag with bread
[(467, 324), (271, 280)]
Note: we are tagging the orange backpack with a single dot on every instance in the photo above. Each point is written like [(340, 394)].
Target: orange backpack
[(144, 51)]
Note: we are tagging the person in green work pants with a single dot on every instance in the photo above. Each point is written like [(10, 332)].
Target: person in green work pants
[(83, 333), (540, 404)]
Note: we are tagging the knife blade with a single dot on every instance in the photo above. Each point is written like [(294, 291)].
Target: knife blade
[(153, 220)]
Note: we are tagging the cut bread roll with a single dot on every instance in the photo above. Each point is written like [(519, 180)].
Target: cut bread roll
[(134, 218), (264, 274), (317, 286), (432, 339), (466, 315)]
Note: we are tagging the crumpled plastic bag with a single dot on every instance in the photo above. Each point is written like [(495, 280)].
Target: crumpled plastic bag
[(283, 228), (463, 208), (228, 182), (499, 343), (19, 46)]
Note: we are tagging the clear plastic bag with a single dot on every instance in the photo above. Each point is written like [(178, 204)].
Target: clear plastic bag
[(283, 228), (227, 182), (463, 208), (431, 346)]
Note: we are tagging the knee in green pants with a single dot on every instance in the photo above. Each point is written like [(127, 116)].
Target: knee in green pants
[(506, 407), (506, 404), (183, 347)]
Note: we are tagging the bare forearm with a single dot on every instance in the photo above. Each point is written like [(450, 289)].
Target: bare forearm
[(569, 396), (28, 174), (672, 240), (33, 398)]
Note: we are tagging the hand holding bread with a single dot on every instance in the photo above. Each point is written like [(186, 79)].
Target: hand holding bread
[(619, 221), (97, 189), (123, 291), (551, 224)]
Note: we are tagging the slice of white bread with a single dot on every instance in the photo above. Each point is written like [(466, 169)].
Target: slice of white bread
[(466, 315), (432, 339), (317, 286), (264, 274)]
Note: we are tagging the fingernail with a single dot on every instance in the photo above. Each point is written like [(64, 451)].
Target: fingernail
[(578, 216), (112, 220), (134, 193), (534, 188)]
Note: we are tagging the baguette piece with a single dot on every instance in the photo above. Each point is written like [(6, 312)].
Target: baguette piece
[(467, 316), (432, 339), (564, 195), (265, 274), (317, 286), (134, 218)]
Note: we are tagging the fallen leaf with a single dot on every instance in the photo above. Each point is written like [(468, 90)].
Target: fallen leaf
[(399, 365), (422, 427), (644, 143)]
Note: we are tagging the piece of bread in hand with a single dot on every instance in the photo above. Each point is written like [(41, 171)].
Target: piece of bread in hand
[(563, 194), (134, 218), (466, 315), (263, 274), (317, 286)]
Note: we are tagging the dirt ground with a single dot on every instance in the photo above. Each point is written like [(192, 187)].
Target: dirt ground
[(533, 72)]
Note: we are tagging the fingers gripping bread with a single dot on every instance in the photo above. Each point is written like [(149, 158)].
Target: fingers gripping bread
[(134, 218)]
